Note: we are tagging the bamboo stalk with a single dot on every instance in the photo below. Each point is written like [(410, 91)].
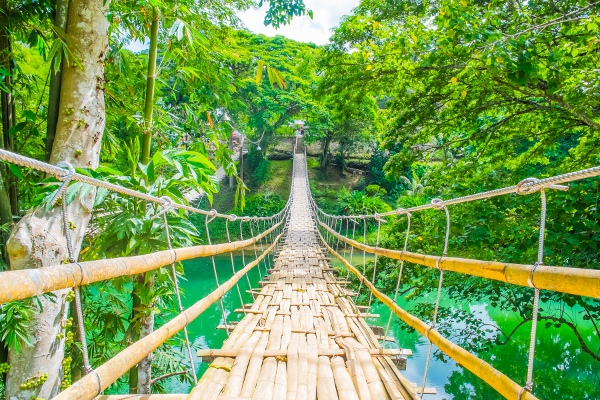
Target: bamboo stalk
[(583, 282), (343, 381), (21, 284), (280, 389), (503, 384), (313, 360), (325, 381)]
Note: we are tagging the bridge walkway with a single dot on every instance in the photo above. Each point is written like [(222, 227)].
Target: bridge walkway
[(303, 337)]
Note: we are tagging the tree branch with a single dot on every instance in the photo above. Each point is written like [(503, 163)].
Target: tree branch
[(168, 376)]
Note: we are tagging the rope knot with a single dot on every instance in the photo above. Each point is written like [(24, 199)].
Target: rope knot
[(436, 204), (523, 182), (66, 179), (233, 217)]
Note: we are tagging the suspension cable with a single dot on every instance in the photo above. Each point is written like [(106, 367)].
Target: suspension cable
[(206, 222), (233, 218), (244, 259), (437, 206), (354, 223), (179, 305), (536, 297), (387, 328), (375, 262), (72, 259), (362, 217)]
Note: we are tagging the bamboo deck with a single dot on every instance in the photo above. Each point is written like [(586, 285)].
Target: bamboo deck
[(288, 346)]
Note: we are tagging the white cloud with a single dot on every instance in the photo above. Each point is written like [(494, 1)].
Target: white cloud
[(327, 15)]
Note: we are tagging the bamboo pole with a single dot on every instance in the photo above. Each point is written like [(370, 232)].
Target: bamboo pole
[(93, 384), (583, 282), (283, 352), (21, 284), (150, 83), (502, 383)]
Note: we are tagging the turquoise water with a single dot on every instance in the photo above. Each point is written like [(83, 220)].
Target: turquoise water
[(562, 370)]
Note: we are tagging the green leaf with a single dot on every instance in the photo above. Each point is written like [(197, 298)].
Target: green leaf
[(15, 170), (259, 71)]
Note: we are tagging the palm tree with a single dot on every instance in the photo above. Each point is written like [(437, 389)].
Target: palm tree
[(416, 185)]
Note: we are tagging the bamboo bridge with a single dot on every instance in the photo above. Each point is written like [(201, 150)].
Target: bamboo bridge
[(303, 337)]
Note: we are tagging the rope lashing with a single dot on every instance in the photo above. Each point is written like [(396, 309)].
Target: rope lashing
[(244, 258), (364, 221), (61, 193), (178, 294), (436, 205), (387, 328), (233, 217), (206, 222), (540, 258), (379, 221)]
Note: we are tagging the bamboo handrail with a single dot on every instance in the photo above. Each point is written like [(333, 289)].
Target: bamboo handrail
[(21, 284), (578, 281), (496, 379), (101, 378)]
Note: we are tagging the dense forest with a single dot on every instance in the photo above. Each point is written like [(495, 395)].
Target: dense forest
[(424, 99)]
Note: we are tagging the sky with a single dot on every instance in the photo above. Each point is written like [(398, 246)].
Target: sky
[(327, 15)]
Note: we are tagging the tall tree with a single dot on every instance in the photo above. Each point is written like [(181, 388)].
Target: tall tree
[(60, 23), (38, 240), (7, 101)]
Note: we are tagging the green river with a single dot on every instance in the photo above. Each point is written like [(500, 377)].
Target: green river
[(562, 370)]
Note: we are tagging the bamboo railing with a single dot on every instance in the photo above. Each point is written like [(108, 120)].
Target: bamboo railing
[(102, 377), (578, 281), (496, 379), (21, 284)]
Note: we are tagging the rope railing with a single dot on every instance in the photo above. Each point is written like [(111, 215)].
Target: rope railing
[(526, 186), (102, 377), (575, 281), (62, 174)]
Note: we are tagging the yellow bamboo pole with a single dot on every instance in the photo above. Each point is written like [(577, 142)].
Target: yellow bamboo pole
[(496, 379), (583, 282), (21, 284), (322, 352), (101, 378)]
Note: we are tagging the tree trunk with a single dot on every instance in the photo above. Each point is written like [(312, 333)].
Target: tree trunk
[(325, 156), (7, 109), (38, 240), (76, 369), (60, 20)]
